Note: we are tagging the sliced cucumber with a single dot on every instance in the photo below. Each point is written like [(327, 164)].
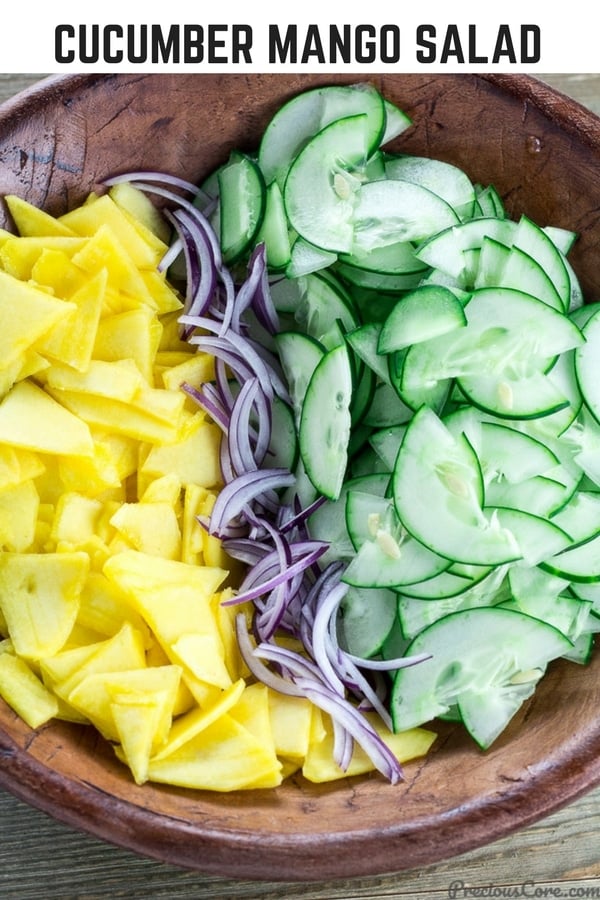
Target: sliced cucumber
[(489, 678), (274, 232), (447, 248), (325, 422), (442, 178), (304, 116), (300, 355), (389, 211), (427, 312), (242, 200), (365, 620), (587, 365), (432, 463), (323, 182)]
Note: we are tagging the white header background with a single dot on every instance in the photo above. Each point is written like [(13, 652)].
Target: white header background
[(568, 36)]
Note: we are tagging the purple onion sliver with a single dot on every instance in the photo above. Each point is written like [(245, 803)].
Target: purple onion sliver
[(257, 668), (244, 489), (264, 587), (354, 722)]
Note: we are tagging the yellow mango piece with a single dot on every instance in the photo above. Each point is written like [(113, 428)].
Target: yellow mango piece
[(165, 298), (225, 756), (18, 255), (140, 208), (104, 608), (39, 597), (194, 458), (291, 721), (120, 449), (32, 419), (184, 700), (26, 314), (252, 710), (137, 718), (104, 250), (225, 618), (191, 529), (319, 765), (72, 340), (93, 474), (122, 652), (118, 379), (195, 370), (189, 726), (138, 573), (55, 271), (89, 219), (18, 465), (24, 692), (18, 517), (212, 548), (149, 527), (133, 334), (94, 695), (147, 419), (76, 518), (173, 597), (203, 655), (166, 489), (171, 339), (31, 221), (66, 663)]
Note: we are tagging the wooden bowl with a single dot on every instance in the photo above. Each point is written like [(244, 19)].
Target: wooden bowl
[(542, 151)]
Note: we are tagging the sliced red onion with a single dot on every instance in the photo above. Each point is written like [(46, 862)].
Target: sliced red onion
[(261, 672), (209, 405), (259, 525), (243, 490), (268, 584), (356, 725), (163, 177)]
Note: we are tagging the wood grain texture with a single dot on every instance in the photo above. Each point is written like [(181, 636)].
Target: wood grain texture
[(41, 855)]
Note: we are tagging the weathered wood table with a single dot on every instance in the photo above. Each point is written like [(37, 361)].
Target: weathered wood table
[(558, 857)]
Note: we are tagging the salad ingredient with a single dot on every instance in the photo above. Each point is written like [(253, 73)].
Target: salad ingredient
[(113, 594), (462, 335)]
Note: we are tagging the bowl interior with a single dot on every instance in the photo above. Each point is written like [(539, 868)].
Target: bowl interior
[(542, 152)]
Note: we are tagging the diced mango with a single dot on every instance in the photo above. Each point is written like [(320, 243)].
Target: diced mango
[(72, 339), (194, 458), (26, 314), (320, 766), (18, 516), (225, 756), (203, 655), (133, 334), (141, 210), (31, 419), (104, 608), (120, 653), (165, 298), (18, 255), (291, 721), (94, 695), (195, 369), (103, 250), (150, 527), (39, 596), (87, 220), (31, 221), (189, 726), (24, 692)]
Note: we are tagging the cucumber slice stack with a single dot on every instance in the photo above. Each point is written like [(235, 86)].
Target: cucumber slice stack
[(445, 386)]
